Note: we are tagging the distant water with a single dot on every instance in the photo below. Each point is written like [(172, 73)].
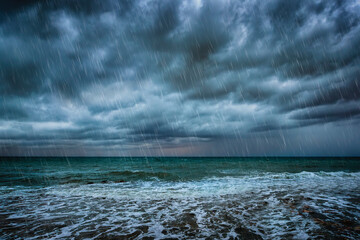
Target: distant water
[(180, 198)]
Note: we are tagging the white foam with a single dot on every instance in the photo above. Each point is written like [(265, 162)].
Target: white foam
[(267, 204)]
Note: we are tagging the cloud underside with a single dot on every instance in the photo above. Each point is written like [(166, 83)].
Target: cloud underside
[(179, 77)]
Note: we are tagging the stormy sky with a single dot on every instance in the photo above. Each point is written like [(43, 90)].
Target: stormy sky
[(176, 78)]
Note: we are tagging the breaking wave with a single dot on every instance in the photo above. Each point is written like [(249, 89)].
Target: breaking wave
[(261, 205)]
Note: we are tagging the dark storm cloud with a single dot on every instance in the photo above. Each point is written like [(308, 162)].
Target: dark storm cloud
[(333, 113), (152, 77)]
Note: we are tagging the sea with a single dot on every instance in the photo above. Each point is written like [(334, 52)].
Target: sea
[(179, 198)]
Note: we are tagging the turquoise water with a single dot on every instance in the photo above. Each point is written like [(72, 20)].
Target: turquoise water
[(183, 198)]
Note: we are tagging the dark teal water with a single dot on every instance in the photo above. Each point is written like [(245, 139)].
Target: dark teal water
[(52, 171), (182, 198)]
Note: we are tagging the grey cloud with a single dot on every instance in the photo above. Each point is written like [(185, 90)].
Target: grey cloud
[(161, 73)]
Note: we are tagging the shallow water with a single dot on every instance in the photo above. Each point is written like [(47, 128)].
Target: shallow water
[(184, 198)]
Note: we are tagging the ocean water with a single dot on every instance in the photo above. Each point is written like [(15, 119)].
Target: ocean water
[(179, 198)]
